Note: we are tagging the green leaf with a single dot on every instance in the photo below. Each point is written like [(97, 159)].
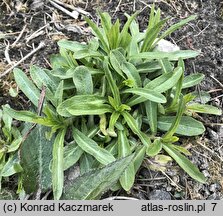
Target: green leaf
[(112, 121), (124, 35), (6, 118), (57, 165), (59, 93), (15, 144), (83, 105), (128, 177), (139, 157), (171, 56), (151, 114), (148, 67), (151, 34), (147, 94), (188, 126), (86, 162), (41, 77), (165, 65), (36, 154), (134, 127), (174, 27), (82, 54), (154, 148), (112, 83), (165, 81), (176, 122), (178, 88), (11, 167), (105, 21), (27, 87), (89, 109), (91, 147), (203, 108), (192, 80), (83, 80), (184, 163), (73, 46), (26, 116), (98, 32), (182, 150), (72, 154), (132, 73), (116, 60), (113, 35), (91, 185)]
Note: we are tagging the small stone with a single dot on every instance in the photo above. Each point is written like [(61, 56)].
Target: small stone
[(159, 195), (213, 135), (168, 188), (206, 173), (166, 46), (213, 187), (212, 196)]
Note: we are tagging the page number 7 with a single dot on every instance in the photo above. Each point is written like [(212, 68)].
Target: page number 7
[(214, 205)]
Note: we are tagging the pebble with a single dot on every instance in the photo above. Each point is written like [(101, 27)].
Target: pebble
[(212, 134), (214, 187), (206, 173), (159, 195)]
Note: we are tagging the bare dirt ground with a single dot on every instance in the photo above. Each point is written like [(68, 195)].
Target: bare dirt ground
[(27, 24)]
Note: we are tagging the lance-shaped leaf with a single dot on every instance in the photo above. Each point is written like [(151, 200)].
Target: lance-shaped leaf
[(172, 56), (147, 94), (166, 81), (36, 154), (27, 87), (89, 109), (86, 163), (173, 128), (26, 116), (159, 85), (128, 177), (165, 65), (83, 80), (71, 45), (151, 34), (139, 157), (192, 80), (72, 154), (117, 59), (11, 167), (203, 108), (83, 105), (41, 77), (175, 27), (134, 127), (57, 165), (148, 66), (132, 73), (188, 126), (151, 114), (112, 83), (184, 163), (98, 32), (91, 147), (124, 33), (154, 148), (93, 184)]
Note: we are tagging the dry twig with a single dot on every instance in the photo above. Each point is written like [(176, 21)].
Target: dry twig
[(41, 45)]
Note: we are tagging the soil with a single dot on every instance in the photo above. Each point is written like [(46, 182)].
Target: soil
[(35, 21)]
